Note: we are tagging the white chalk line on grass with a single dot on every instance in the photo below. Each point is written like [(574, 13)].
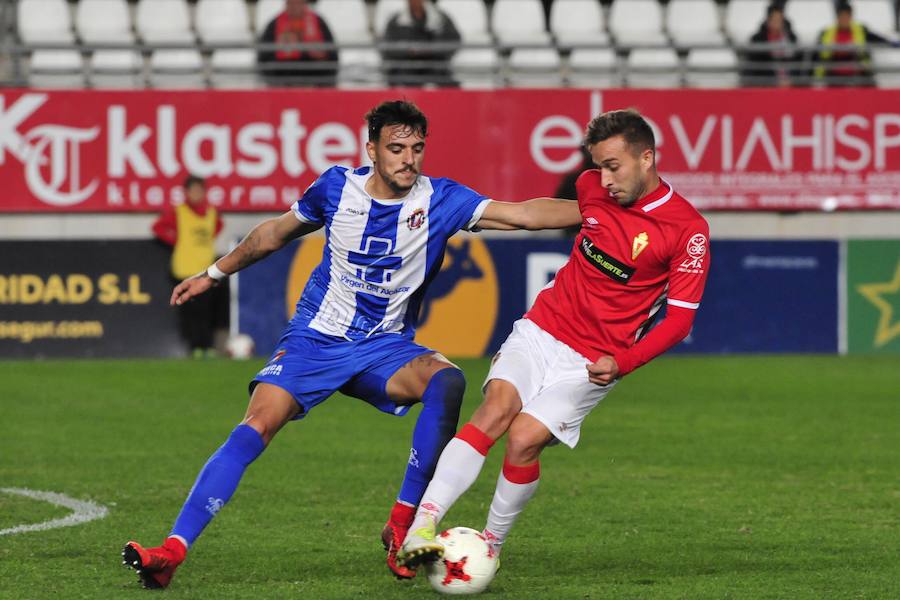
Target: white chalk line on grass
[(82, 510)]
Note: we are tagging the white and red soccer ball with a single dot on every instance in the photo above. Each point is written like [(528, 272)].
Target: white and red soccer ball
[(468, 564)]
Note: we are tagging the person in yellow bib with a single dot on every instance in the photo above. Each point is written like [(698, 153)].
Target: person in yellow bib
[(191, 229), (844, 54)]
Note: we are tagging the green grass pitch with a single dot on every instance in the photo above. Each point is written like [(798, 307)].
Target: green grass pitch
[(699, 477)]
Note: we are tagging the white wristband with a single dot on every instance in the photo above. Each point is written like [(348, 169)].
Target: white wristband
[(216, 273)]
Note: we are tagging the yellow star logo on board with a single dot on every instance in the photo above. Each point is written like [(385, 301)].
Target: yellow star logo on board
[(888, 325)]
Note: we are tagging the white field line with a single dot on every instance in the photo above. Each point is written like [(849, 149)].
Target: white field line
[(82, 510)]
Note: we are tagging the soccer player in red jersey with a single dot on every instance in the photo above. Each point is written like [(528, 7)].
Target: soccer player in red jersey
[(641, 245)]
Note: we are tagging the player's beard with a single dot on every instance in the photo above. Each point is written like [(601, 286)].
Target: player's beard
[(626, 202), (640, 190), (395, 185)]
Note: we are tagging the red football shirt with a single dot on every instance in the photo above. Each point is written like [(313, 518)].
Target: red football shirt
[(625, 263)]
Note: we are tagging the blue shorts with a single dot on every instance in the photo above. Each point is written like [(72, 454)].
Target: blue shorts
[(311, 366)]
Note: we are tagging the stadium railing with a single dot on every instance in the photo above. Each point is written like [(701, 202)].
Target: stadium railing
[(499, 71), (15, 72)]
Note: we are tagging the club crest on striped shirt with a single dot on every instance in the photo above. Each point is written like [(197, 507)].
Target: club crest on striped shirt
[(416, 219), (641, 241)]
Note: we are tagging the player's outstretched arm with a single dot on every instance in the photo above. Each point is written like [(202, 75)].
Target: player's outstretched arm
[(264, 239), (537, 213)]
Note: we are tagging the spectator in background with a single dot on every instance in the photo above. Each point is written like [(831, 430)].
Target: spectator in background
[(298, 24), (191, 229), (844, 58), (420, 22), (566, 188), (772, 60)]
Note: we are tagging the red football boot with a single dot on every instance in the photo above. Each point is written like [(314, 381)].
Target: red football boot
[(392, 537), (155, 566)]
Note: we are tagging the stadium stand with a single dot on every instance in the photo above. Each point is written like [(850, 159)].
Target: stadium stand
[(637, 23), (168, 22), (359, 62), (50, 22), (227, 22), (579, 43), (809, 18), (878, 14), (519, 23), (594, 68), (742, 19), (534, 67), (578, 22), (522, 26), (657, 68), (471, 19), (887, 67), (711, 68), (45, 21), (475, 65), (109, 22), (694, 23)]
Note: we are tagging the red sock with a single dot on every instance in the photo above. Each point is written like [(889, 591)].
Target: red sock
[(174, 545), (521, 473), (475, 438), (402, 514)]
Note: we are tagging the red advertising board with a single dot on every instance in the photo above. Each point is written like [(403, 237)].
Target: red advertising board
[(94, 151)]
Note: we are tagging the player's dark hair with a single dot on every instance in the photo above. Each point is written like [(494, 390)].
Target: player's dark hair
[(627, 123), (193, 179), (773, 8), (396, 112), (843, 7)]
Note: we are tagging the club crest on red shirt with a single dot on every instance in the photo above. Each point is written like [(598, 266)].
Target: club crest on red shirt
[(640, 241)]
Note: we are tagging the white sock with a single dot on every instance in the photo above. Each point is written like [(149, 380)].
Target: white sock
[(509, 501), (456, 471)]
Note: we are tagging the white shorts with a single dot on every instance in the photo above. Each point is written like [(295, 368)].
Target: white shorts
[(551, 379)]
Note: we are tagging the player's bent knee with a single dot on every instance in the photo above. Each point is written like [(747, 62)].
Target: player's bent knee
[(527, 438), (452, 384), (521, 451), (501, 405), (270, 408), (502, 397)]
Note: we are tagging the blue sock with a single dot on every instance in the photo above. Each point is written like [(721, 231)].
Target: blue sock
[(217, 481), (436, 425)]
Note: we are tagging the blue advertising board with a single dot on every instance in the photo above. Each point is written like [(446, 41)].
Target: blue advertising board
[(768, 296), (762, 296)]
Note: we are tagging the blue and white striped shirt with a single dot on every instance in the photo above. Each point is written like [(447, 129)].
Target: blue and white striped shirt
[(380, 255)]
